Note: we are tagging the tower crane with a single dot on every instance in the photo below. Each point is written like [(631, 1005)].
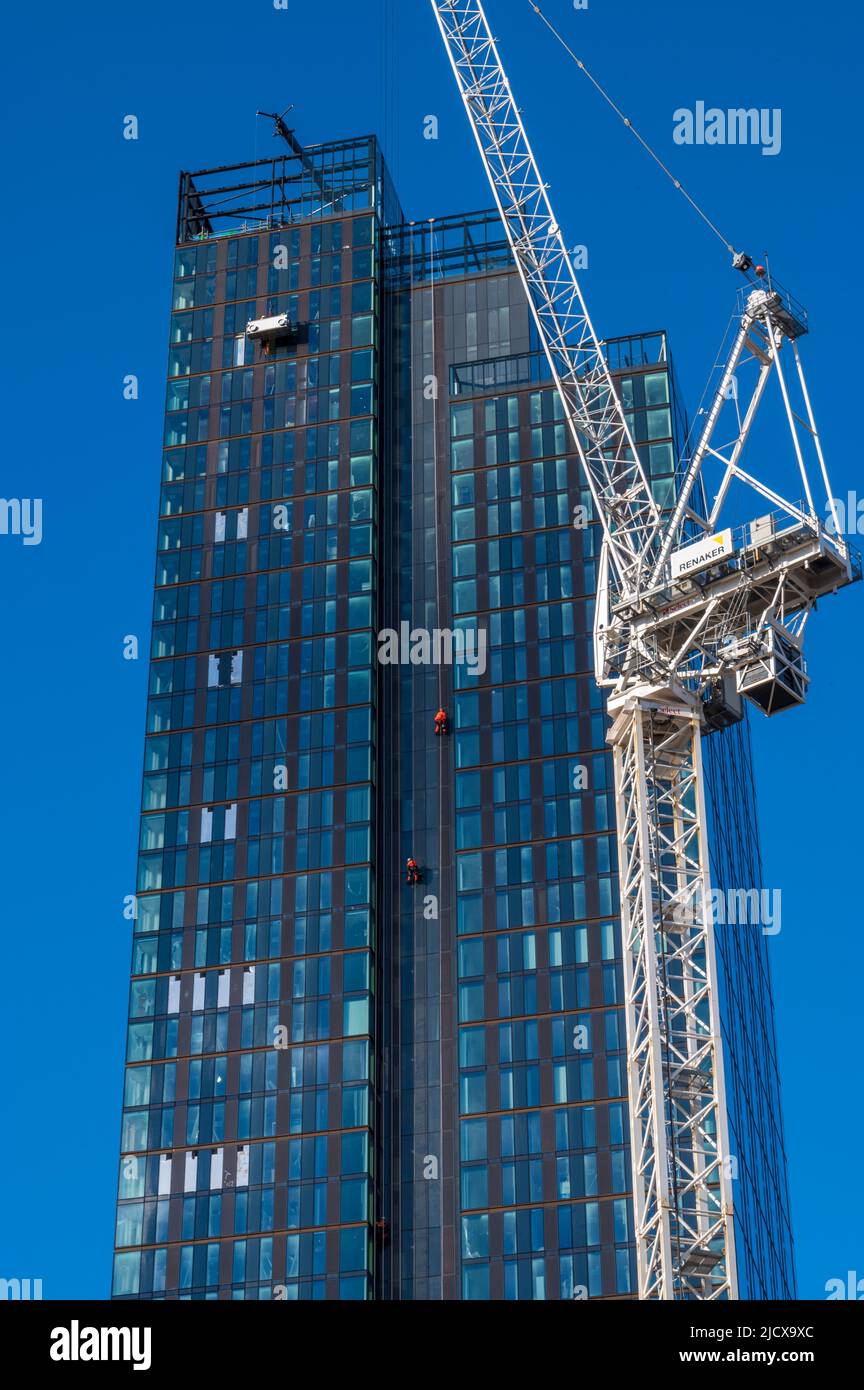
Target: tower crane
[(694, 614)]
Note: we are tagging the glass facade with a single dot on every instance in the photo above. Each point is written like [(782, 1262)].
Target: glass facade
[(249, 1126), (341, 1085), (763, 1234)]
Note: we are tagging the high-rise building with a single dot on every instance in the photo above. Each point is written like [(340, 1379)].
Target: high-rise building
[(342, 1084)]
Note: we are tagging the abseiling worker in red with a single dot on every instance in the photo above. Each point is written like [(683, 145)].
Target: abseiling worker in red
[(442, 723), (412, 869)]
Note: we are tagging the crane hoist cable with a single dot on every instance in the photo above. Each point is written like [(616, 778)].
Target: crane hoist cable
[(740, 260)]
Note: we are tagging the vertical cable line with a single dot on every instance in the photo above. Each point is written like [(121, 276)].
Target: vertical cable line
[(388, 356), (392, 135), (411, 547), (441, 741), (387, 785)]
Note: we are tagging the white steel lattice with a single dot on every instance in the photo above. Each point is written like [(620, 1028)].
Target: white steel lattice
[(601, 436), (682, 1196), (682, 1211)]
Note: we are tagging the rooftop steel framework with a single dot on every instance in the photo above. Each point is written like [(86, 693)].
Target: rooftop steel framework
[(294, 185)]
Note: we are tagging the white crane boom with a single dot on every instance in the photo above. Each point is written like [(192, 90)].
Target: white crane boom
[(601, 436), (681, 634)]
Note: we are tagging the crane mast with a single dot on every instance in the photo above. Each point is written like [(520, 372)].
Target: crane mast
[(687, 624)]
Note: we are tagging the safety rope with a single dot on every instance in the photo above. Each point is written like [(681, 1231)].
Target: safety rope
[(436, 484)]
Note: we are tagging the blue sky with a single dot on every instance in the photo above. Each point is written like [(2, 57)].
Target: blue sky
[(87, 233)]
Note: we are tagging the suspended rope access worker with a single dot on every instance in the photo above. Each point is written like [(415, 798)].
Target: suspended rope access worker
[(442, 723), (412, 870)]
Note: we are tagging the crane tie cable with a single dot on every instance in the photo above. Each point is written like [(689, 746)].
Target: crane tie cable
[(630, 126)]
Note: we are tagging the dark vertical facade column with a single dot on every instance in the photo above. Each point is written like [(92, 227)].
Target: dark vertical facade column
[(424, 982), (255, 1075), (763, 1233)]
